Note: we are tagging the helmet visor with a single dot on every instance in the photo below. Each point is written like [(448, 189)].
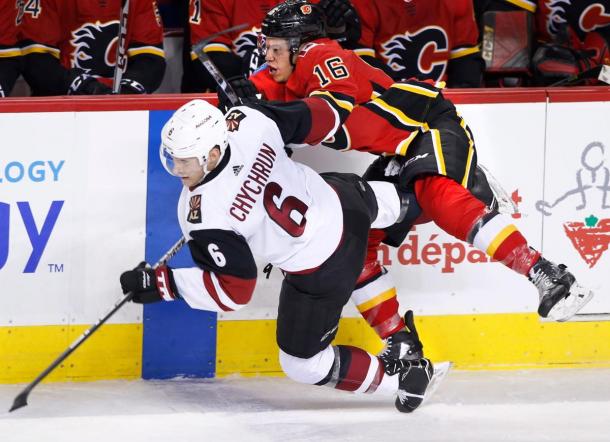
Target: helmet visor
[(167, 160)]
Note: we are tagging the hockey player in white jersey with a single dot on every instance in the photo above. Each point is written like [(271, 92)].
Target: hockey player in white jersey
[(243, 196)]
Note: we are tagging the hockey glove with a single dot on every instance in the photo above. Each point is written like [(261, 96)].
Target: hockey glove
[(129, 86), (342, 21), (244, 89), (148, 284), (85, 84)]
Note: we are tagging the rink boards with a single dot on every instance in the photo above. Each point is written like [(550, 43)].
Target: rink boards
[(84, 197)]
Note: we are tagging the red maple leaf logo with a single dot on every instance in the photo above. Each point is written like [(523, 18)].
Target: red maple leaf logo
[(590, 239)]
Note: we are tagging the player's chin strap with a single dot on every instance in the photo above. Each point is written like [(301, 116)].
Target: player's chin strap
[(208, 64)]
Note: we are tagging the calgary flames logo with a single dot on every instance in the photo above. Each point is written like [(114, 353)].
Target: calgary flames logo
[(95, 48), (423, 53), (246, 42), (593, 17), (556, 15)]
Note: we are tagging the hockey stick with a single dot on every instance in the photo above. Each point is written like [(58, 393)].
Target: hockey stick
[(121, 59), (21, 400), (586, 74), (211, 67)]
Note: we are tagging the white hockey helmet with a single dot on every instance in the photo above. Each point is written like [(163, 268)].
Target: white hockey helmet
[(191, 132)]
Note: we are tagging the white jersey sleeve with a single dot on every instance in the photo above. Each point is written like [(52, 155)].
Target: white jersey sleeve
[(284, 211)]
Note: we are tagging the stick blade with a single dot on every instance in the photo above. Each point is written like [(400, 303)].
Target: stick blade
[(20, 401)]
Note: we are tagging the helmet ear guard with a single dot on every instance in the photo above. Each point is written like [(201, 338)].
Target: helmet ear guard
[(192, 131)]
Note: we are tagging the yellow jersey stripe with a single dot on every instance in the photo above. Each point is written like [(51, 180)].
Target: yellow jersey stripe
[(468, 162), (415, 89), (382, 297), (462, 52), (438, 150), (146, 50), (12, 52), (525, 4), (365, 51), (402, 147), (407, 121), (344, 104), (40, 49), (499, 239)]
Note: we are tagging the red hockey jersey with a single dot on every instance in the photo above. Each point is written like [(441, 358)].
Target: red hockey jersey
[(417, 38), (326, 70), (352, 87), (83, 33), (207, 17)]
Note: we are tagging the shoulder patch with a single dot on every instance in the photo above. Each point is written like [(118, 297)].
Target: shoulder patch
[(194, 215), (233, 120)]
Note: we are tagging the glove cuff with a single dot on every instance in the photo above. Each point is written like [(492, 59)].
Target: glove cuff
[(165, 283)]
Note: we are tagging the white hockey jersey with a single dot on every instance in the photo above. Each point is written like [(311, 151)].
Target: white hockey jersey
[(256, 201)]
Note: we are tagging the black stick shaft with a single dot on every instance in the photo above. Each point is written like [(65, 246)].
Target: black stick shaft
[(209, 65), (21, 400)]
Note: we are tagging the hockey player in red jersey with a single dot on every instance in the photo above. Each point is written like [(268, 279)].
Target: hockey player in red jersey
[(69, 46), (425, 39), (10, 55), (435, 156), (314, 227)]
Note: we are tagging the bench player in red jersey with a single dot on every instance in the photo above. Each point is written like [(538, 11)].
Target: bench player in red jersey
[(69, 47)]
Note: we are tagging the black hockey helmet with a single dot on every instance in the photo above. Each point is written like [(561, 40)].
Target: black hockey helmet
[(298, 21)]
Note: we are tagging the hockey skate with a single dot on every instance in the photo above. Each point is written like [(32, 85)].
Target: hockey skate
[(413, 380), (560, 296), (404, 344)]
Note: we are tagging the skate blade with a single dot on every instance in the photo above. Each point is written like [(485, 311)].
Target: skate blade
[(566, 308), (440, 372)]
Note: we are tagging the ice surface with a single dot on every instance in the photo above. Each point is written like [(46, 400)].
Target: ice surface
[(537, 405)]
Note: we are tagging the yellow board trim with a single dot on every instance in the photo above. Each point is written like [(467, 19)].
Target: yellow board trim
[(113, 352), (383, 296), (499, 341), (499, 239)]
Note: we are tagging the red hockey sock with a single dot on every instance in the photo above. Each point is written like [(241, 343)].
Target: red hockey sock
[(459, 213), (452, 207)]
